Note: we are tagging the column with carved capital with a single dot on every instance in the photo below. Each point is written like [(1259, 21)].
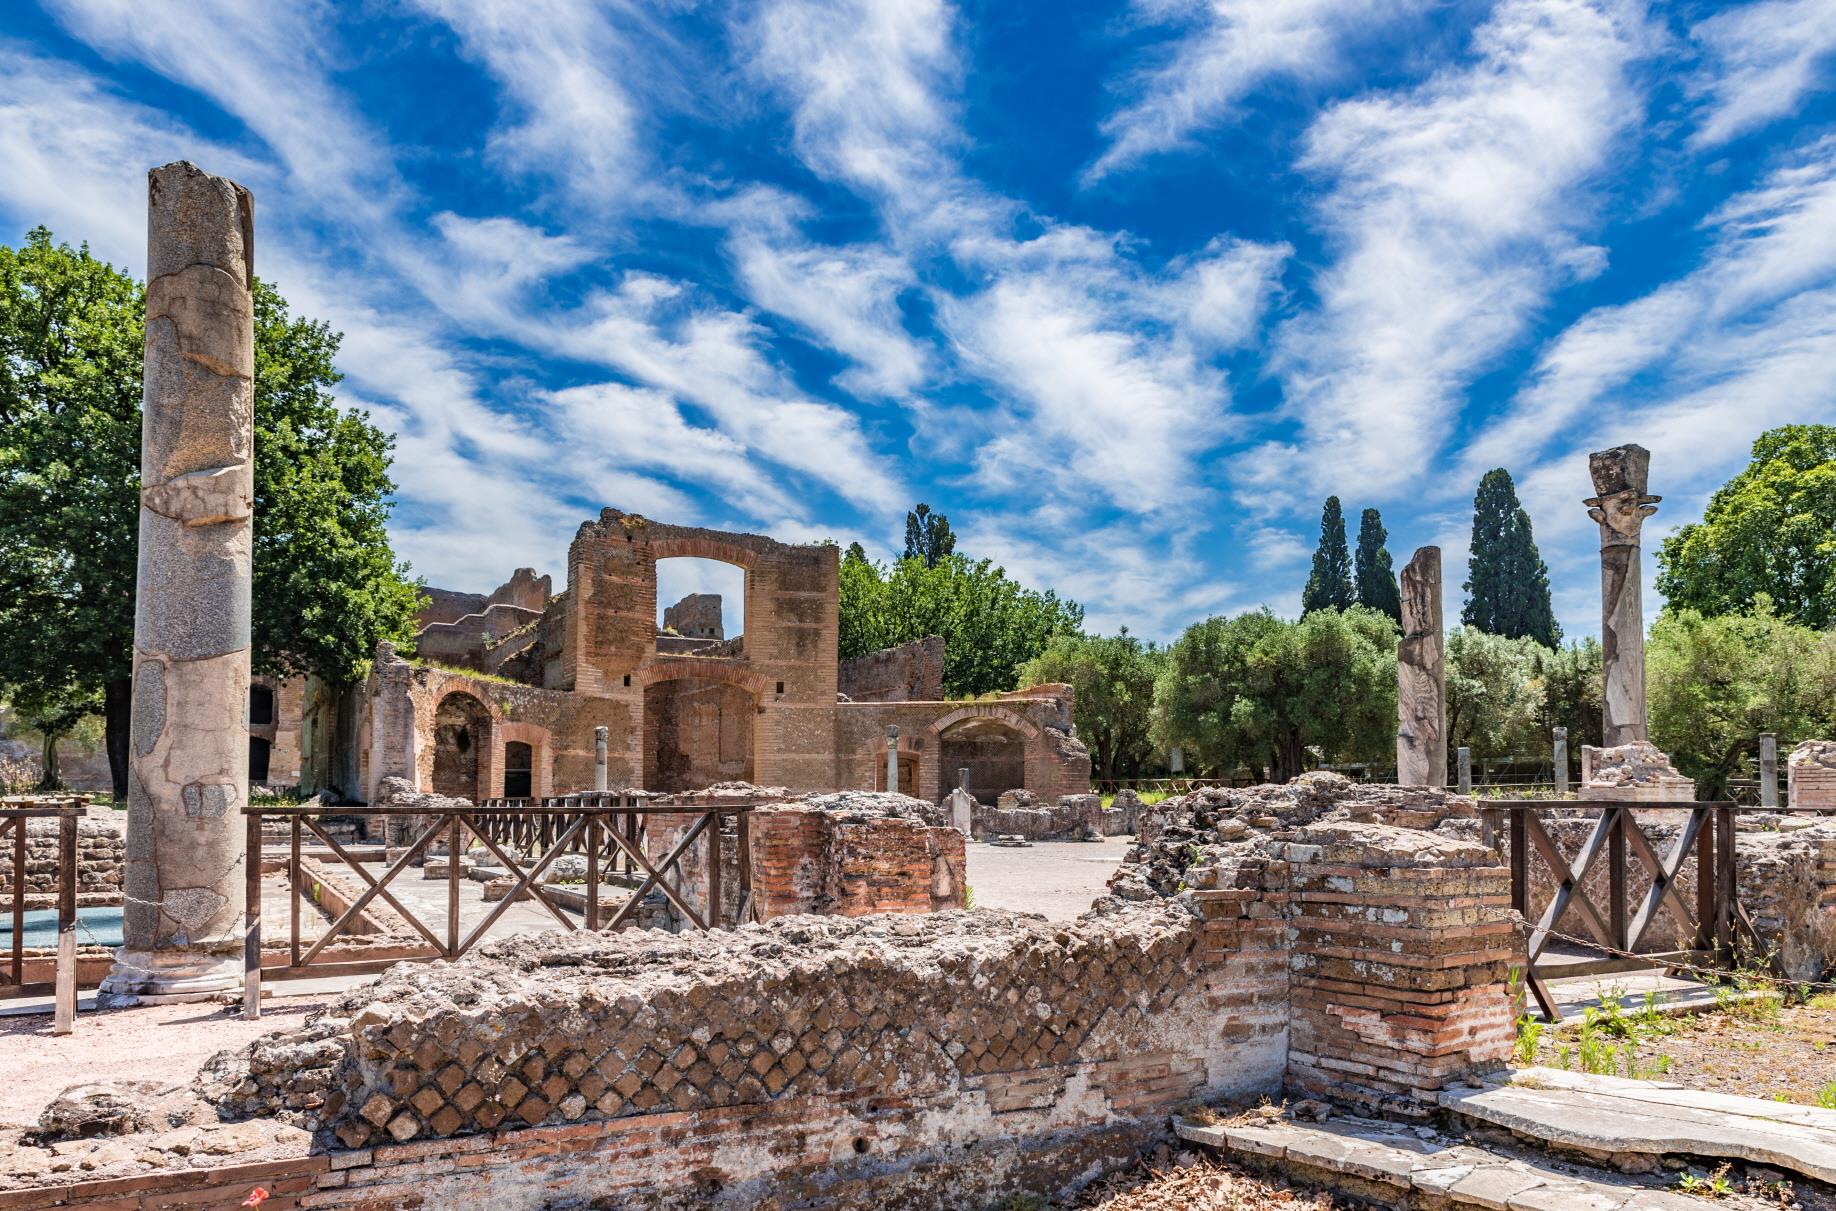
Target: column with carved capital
[(1621, 505)]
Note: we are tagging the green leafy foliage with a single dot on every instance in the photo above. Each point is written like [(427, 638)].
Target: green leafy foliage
[(1771, 529), (1256, 691), (990, 624), (1377, 587), (1713, 684), (326, 586), (1329, 584), (1113, 678), (1494, 703), (928, 536), (1507, 583)]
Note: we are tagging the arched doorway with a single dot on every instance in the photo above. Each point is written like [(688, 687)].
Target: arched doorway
[(696, 733), (519, 770), (994, 753), (462, 735)]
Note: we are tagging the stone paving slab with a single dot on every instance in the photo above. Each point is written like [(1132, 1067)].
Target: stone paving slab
[(1612, 1114), (1575, 994), (1431, 1166)]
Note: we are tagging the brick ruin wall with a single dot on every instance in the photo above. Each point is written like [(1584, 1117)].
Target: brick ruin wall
[(846, 854), (911, 672), (101, 850), (1303, 938), (697, 616), (1024, 814)]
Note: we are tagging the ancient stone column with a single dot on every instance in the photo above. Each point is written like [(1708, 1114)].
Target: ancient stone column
[(1421, 676), (599, 758), (1621, 505), (1560, 761), (892, 756), (1769, 770), (189, 749), (1464, 756)]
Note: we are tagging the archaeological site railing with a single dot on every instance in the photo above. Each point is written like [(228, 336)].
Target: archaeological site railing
[(14, 813), (1554, 885), (524, 837)]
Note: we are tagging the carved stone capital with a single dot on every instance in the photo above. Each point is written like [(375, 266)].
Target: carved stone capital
[(1621, 516)]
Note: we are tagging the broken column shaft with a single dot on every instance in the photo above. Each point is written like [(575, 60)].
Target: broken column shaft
[(189, 739), (1421, 676)]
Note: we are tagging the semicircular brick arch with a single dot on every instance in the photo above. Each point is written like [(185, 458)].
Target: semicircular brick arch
[(687, 546), (701, 668), (981, 710)]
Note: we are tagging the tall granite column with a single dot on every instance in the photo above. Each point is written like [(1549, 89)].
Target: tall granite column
[(189, 740), (1421, 676), (1621, 505)]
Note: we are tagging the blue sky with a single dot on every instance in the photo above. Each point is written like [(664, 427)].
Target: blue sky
[(1126, 289)]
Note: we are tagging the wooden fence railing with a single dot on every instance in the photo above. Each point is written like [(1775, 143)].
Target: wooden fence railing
[(67, 811), (525, 838), (1716, 922)]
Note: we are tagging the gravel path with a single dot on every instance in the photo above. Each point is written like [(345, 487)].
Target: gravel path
[(1057, 879)]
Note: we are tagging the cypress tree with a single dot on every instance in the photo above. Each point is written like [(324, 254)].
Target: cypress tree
[(1507, 585), (1329, 587), (1377, 587)]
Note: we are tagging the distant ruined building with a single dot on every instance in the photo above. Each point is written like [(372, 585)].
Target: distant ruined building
[(505, 690)]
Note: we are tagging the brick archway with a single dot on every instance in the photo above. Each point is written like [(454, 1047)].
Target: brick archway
[(984, 711), (696, 668), (681, 546)]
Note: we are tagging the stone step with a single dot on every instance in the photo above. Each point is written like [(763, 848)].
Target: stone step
[(1604, 1115), (1410, 1167)]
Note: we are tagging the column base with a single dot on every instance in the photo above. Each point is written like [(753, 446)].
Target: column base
[(163, 977)]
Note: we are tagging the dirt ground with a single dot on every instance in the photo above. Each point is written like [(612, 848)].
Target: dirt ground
[(1057, 879), (150, 1043), (1758, 1049)]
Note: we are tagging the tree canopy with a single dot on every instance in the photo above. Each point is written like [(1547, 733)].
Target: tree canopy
[(990, 624), (1507, 583), (1257, 691), (326, 588), (1715, 682), (928, 536), (1329, 585), (1494, 698), (1377, 587), (1112, 677), (1770, 530)]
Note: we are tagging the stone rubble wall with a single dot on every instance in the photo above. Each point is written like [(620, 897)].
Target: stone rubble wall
[(1324, 935), (911, 672), (1024, 814), (1810, 774), (926, 1062), (101, 850)]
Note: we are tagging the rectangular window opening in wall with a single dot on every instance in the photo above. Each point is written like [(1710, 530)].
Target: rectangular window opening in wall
[(780, 687), (627, 680)]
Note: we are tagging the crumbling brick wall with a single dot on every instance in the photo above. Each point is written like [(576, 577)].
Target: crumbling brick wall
[(1024, 814), (911, 672)]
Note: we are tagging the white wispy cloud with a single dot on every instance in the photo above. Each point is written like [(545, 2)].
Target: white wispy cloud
[(1767, 245), (1224, 52), (1761, 59), (1454, 208), (846, 296), (573, 99)]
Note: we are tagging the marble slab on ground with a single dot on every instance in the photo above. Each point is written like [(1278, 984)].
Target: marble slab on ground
[(1576, 994), (1431, 1166), (1612, 1114)]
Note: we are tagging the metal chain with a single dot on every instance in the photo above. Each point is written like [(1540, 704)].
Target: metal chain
[(1716, 974)]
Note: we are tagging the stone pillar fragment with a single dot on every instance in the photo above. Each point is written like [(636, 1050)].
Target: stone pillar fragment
[(892, 757), (600, 736), (1620, 506), (1421, 676), (1465, 756), (1560, 760), (1769, 770), (189, 747)]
